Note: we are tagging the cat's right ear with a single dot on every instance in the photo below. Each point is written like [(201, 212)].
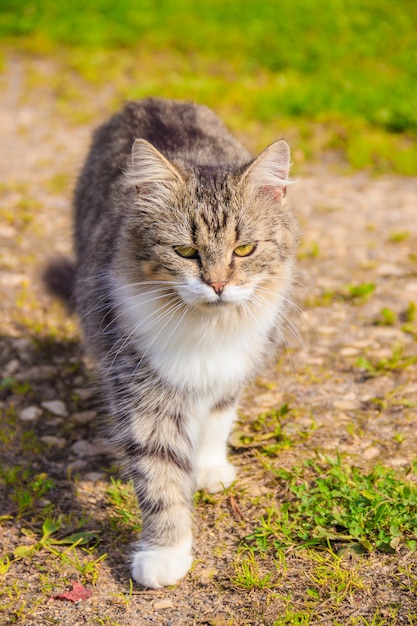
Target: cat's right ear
[(152, 174)]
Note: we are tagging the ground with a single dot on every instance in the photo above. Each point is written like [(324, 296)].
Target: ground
[(347, 378)]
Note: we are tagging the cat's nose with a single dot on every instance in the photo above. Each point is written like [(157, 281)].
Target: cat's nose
[(218, 287)]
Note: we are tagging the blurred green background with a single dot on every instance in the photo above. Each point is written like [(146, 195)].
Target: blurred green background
[(335, 77)]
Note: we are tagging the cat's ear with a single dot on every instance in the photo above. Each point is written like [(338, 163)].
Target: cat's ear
[(151, 172), (268, 175)]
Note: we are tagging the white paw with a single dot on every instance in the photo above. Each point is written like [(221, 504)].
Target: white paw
[(162, 567), (215, 478)]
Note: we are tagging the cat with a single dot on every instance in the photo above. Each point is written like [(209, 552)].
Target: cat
[(183, 273)]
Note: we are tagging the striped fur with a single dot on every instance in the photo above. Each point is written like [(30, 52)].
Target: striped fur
[(176, 338)]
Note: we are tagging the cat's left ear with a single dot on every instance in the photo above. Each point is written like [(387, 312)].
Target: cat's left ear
[(268, 174)]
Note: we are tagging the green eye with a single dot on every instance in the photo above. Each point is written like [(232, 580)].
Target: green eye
[(245, 250), (186, 252)]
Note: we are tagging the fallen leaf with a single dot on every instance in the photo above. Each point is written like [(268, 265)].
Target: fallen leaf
[(77, 593)]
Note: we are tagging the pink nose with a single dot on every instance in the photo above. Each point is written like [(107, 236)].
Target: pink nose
[(218, 287)]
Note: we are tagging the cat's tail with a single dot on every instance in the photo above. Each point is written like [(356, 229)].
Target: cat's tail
[(59, 279)]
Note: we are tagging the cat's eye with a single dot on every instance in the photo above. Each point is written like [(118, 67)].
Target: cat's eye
[(245, 250), (187, 252)]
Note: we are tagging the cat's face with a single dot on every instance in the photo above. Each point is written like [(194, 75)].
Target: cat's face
[(214, 238)]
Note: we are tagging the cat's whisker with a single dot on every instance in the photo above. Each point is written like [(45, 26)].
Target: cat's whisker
[(246, 306), (132, 308), (151, 319), (294, 307), (157, 288), (160, 331), (284, 320)]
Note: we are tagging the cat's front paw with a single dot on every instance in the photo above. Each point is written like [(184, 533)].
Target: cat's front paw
[(161, 566), (216, 477)]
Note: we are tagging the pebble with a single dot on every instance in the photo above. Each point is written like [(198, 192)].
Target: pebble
[(399, 462), (7, 231), (207, 575), (371, 452), (349, 351), (348, 403), (76, 467), (30, 413), (326, 330), (54, 442), (163, 604), (84, 417), (12, 280), (11, 367), (85, 393), (411, 287), (389, 269), (83, 448), (57, 407), (94, 477)]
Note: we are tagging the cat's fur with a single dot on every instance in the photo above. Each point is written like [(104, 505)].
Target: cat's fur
[(175, 338)]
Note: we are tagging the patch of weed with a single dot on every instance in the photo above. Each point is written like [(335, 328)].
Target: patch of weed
[(356, 294), (26, 490), (398, 236), (410, 320), (331, 504), (266, 432), (396, 362), (49, 539), (387, 317), (124, 515), (250, 574)]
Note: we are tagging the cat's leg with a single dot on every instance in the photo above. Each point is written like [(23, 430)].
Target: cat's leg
[(213, 471), (161, 467)]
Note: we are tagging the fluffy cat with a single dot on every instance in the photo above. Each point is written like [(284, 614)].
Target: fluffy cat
[(184, 252)]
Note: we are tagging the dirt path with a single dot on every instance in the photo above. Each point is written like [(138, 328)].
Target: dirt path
[(350, 382)]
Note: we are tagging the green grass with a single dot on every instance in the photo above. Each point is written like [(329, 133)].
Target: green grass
[(344, 73), (331, 504)]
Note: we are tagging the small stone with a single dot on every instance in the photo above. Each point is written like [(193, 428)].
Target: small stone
[(349, 351), (83, 448), (76, 467), (163, 604), (94, 477), (347, 403), (207, 575), (11, 367), (399, 462), (84, 417), (54, 442), (370, 453), (389, 269), (315, 360), (57, 407), (30, 413), (84, 393), (7, 231), (326, 330), (56, 421), (12, 280)]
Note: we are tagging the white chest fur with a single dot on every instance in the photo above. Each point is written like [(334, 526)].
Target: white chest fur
[(206, 351)]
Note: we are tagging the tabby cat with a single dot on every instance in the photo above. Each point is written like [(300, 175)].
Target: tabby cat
[(184, 252)]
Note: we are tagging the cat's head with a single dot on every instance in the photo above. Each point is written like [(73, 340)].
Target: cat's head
[(217, 235)]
